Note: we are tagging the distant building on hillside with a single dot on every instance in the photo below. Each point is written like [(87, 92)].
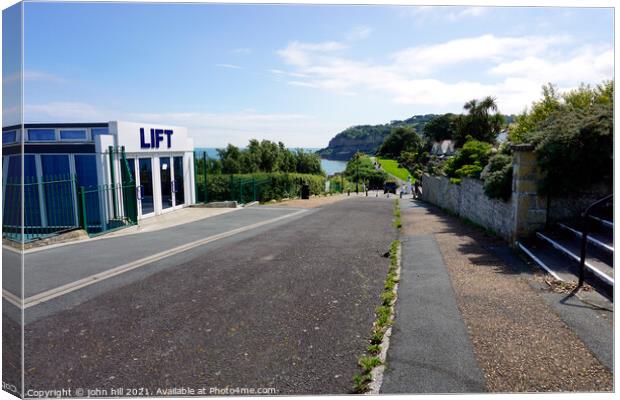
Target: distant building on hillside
[(444, 148)]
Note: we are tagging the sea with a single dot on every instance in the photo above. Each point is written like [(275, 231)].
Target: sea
[(329, 166)]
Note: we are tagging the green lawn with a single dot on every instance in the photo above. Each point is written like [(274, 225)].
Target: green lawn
[(392, 168)]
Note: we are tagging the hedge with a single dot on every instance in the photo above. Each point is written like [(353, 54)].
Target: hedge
[(256, 187)]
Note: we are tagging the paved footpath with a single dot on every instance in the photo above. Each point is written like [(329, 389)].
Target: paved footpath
[(430, 350), (286, 307), (481, 320)]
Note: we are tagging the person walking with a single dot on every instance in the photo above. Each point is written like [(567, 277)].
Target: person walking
[(417, 191)]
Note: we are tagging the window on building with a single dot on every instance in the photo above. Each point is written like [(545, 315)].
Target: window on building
[(99, 131), (74, 134), (41, 135), (9, 137), (86, 170), (58, 190), (55, 165), (86, 173), (13, 187)]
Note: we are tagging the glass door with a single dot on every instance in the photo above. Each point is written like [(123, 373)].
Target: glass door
[(166, 182), (179, 184), (146, 186)]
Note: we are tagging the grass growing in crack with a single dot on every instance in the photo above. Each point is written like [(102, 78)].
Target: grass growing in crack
[(374, 349), (368, 363), (384, 318), (397, 222)]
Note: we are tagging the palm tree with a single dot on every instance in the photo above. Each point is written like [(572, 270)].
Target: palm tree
[(479, 123)]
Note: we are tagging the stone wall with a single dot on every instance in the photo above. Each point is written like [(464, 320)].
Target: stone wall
[(523, 214), (468, 200), (570, 207)]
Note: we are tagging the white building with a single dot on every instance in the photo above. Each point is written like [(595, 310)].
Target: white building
[(79, 174)]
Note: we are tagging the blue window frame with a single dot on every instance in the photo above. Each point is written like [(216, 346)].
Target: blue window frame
[(99, 131), (9, 137), (41, 135), (73, 134)]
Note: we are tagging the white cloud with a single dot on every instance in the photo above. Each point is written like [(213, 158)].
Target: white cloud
[(427, 58), (359, 33), (467, 12), (449, 13), (229, 66), (298, 53), (64, 111), (588, 64), (219, 129), (208, 129), (30, 75), (516, 67)]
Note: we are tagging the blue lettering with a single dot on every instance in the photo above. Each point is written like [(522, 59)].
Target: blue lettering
[(168, 133), (143, 144), (159, 136)]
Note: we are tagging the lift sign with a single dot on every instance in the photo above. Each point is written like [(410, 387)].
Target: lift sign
[(157, 136)]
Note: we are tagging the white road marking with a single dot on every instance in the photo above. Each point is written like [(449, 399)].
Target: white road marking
[(73, 286), (11, 298)]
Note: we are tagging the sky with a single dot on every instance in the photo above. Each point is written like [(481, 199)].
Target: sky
[(294, 73)]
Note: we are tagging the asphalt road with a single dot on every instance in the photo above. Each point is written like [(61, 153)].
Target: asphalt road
[(287, 306)]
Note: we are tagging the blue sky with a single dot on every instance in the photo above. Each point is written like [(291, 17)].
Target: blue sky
[(297, 73)]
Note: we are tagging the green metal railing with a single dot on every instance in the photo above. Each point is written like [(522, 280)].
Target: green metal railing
[(57, 203), (104, 208), (49, 207), (223, 187)]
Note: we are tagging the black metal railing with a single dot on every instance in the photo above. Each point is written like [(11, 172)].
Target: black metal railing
[(584, 234)]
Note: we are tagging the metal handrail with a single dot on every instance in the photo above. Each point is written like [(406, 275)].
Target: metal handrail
[(584, 235)]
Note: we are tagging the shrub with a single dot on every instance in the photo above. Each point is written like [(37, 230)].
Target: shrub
[(497, 177), (575, 149), (269, 186), (469, 160), (573, 137), (361, 167)]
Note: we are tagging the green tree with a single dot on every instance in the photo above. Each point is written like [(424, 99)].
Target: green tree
[(527, 121), (360, 168), (482, 122), (230, 158), (402, 138), (441, 128), (574, 148), (287, 159), (573, 137), (308, 163)]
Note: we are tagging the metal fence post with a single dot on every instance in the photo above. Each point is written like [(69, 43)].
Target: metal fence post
[(113, 179), (83, 206), (231, 188), (204, 159)]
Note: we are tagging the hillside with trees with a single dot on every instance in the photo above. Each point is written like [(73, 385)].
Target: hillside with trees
[(367, 138)]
